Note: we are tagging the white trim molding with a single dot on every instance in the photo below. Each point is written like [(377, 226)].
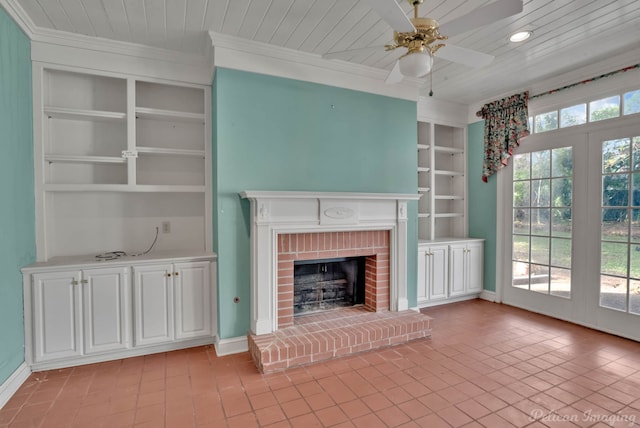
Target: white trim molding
[(13, 383), (233, 345), (274, 213), (489, 296), (247, 55)]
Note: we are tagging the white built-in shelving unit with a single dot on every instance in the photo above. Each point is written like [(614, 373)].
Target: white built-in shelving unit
[(442, 181), (117, 156), (450, 264)]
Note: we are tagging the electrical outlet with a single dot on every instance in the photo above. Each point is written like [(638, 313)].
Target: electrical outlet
[(166, 227)]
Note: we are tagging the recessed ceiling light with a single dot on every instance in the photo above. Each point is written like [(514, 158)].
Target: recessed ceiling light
[(520, 36)]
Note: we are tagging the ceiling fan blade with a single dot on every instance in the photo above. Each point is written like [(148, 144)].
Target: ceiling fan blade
[(391, 12), (464, 56), (394, 76), (481, 16), (350, 52)]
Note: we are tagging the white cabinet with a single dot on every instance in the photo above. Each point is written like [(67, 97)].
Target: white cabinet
[(449, 270), (172, 301), (56, 315), (153, 304), (465, 268), (192, 293), (106, 297), (442, 167), (432, 272), (79, 312), (118, 152)]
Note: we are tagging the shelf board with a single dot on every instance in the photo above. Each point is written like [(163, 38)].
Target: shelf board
[(172, 152), (449, 197), (451, 150), (122, 188), (448, 215), (451, 173), (423, 169), (169, 115), (423, 190), (84, 114), (83, 159), (424, 146)]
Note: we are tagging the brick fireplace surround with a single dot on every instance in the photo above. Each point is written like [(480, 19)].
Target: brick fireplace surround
[(310, 246), (290, 226)]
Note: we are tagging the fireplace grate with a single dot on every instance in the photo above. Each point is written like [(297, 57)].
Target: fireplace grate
[(327, 284)]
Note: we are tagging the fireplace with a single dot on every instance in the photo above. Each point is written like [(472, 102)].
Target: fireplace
[(326, 284), (299, 226)]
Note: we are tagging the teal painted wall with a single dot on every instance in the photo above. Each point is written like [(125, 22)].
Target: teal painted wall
[(272, 133), (17, 209), (482, 203)]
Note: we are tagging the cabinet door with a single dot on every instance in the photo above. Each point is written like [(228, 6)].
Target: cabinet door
[(192, 291), (153, 304), (457, 269), (57, 331), (437, 272), (423, 290), (475, 263), (106, 309)]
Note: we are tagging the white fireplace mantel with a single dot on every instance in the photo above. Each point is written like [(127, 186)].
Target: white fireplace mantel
[(273, 213)]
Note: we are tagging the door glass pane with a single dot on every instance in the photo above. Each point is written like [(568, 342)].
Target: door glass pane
[(561, 222), (540, 278), (620, 228), (634, 296), (560, 282), (561, 252), (542, 181), (613, 292), (521, 220), (540, 221)]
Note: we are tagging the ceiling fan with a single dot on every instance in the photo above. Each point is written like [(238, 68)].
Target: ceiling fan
[(420, 36)]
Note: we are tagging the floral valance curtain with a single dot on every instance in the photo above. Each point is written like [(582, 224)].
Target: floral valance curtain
[(506, 122)]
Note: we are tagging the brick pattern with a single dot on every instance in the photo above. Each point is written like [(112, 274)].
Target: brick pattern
[(309, 246), (330, 334)]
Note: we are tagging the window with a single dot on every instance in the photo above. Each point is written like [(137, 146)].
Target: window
[(631, 102), (574, 115), (605, 108), (546, 121), (542, 213)]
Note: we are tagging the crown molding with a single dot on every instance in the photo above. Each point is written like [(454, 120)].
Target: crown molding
[(20, 17), (246, 55), (79, 50)]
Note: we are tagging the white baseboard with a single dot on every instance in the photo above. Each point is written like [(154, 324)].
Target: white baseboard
[(233, 345), (13, 383), (488, 295)]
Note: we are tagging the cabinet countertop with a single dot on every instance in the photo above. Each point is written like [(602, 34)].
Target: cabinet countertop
[(91, 261), (425, 242)]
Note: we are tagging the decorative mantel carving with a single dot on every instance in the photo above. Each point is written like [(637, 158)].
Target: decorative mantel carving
[(273, 213)]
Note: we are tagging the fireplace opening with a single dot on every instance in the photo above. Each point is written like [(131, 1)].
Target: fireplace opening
[(324, 284)]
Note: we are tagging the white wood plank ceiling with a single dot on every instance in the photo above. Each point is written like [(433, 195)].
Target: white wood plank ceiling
[(568, 34)]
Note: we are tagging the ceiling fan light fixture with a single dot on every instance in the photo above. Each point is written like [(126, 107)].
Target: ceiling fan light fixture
[(417, 64), (520, 36)]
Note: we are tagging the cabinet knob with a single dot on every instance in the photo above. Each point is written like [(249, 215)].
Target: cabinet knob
[(175, 274), (169, 274)]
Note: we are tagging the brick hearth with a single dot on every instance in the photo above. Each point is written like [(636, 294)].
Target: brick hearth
[(330, 334)]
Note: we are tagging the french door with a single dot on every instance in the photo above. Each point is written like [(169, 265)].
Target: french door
[(571, 228)]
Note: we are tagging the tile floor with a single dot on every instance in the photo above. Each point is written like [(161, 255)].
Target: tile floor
[(486, 365)]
